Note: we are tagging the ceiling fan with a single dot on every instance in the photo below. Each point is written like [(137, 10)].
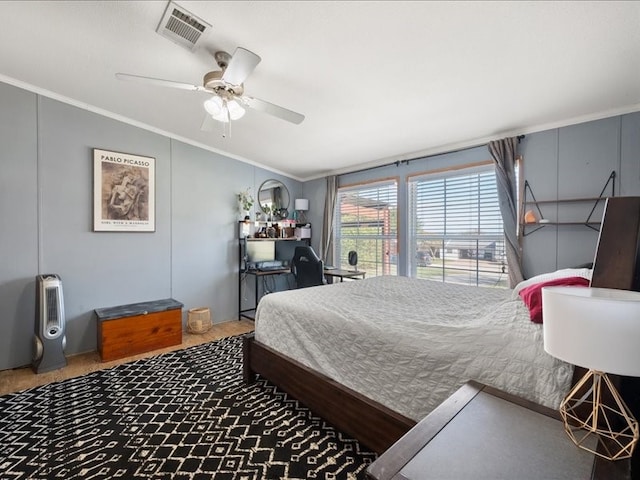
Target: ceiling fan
[(226, 86)]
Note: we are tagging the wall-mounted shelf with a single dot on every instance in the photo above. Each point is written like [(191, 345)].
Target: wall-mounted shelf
[(529, 228)]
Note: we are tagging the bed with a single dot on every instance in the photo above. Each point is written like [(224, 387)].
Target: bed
[(431, 338), (374, 356)]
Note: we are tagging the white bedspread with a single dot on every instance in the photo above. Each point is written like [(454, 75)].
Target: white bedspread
[(409, 344)]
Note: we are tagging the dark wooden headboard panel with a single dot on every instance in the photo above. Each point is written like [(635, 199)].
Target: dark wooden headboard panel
[(616, 261)]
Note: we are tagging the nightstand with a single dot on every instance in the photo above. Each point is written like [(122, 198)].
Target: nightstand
[(483, 433)]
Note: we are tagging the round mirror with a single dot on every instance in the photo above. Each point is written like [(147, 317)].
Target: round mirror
[(273, 198)]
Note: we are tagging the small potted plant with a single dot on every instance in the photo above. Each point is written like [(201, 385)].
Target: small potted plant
[(245, 202)]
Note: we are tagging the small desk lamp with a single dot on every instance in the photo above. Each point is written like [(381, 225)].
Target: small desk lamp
[(301, 206), (599, 329)]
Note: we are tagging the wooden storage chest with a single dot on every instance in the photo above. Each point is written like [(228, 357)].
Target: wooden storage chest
[(136, 328)]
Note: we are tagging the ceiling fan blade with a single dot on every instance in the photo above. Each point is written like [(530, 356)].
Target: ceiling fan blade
[(242, 63), (159, 82), (275, 110)]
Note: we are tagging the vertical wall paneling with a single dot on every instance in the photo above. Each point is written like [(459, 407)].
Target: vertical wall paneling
[(588, 153), (315, 191), (630, 155), (584, 155), (540, 165), (46, 208), (205, 229), (19, 220), (98, 269)]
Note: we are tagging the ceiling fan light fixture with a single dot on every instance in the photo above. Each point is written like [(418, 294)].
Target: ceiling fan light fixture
[(214, 106), (222, 116), (235, 110)]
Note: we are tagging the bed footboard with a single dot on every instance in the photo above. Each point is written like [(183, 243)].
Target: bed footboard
[(371, 423)]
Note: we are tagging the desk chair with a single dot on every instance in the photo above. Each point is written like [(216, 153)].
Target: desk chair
[(307, 268)]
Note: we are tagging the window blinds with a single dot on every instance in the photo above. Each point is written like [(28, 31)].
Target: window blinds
[(366, 221), (455, 228)]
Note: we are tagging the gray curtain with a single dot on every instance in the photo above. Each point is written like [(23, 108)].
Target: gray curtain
[(504, 153), (326, 240)]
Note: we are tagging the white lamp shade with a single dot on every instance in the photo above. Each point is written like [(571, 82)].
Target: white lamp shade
[(221, 117), (214, 106), (223, 110), (595, 328), (235, 110), (301, 204)]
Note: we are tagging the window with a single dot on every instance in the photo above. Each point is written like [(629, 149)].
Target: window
[(455, 228), (366, 221)]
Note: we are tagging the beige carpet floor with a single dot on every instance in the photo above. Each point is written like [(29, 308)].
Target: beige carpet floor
[(19, 379)]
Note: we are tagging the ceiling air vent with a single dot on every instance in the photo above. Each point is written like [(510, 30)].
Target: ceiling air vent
[(182, 27)]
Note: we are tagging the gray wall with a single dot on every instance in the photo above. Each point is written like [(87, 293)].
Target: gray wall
[(46, 196), (315, 191), (19, 223), (575, 162), (563, 163), (46, 212)]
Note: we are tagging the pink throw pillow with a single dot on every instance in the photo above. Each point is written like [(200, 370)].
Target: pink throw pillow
[(532, 295)]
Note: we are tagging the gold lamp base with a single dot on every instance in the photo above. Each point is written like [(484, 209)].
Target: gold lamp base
[(614, 425)]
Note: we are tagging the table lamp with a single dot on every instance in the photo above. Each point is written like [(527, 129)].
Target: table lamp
[(301, 206), (599, 329)]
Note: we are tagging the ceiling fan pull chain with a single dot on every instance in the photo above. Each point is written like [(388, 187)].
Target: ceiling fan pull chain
[(224, 130), (227, 124)]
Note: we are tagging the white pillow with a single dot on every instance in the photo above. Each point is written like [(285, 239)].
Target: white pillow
[(545, 277)]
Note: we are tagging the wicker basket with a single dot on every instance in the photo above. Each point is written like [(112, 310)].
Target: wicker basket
[(199, 320)]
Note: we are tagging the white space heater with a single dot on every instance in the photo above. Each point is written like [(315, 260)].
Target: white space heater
[(49, 338)]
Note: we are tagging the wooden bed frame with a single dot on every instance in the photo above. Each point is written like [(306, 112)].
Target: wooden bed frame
[(376, 426)]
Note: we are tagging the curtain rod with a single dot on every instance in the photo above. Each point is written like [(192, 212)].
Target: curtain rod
[(397, 163)]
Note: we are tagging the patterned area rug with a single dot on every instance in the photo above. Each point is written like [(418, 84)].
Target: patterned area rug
[(181, 415)]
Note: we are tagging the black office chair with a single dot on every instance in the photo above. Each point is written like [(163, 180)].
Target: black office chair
[(307, 268)]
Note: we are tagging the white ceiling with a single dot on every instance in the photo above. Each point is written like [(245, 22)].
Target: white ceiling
[(377, 81)]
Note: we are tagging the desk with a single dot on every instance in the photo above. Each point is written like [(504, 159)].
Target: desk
[(484, 433), (256, 274), (342, 274)]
